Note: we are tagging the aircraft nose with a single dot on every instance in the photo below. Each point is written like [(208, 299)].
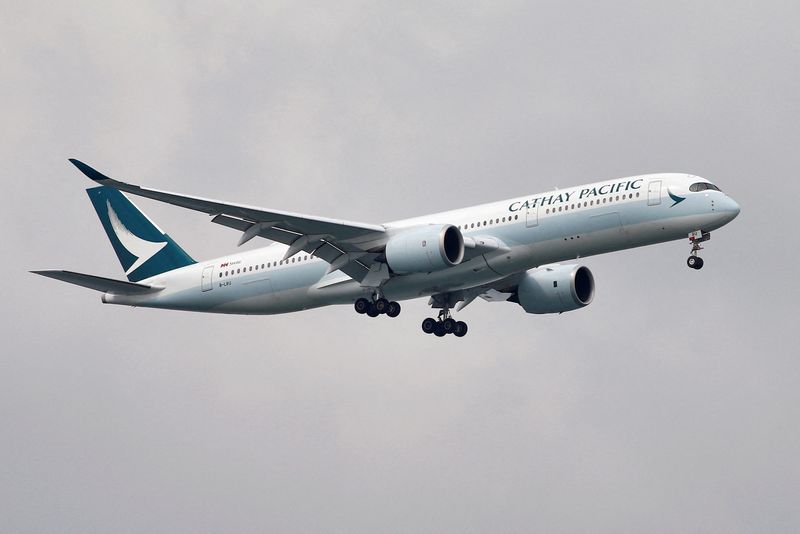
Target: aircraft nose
[(730, 208), (733, 207)]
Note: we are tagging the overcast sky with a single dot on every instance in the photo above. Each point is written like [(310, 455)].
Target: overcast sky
[(671, 404)]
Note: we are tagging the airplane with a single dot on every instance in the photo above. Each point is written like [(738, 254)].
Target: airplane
[(507, 251)]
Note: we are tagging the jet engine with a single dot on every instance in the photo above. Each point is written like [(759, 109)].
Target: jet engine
[(425, 249), (556, 289)]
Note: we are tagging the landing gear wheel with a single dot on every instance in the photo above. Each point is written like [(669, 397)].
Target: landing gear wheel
[(372, 310), (449, 325), (361, 305), (438, 330), (381, 304), (429, 325), (393, 310), (461, 329), (695, 262)]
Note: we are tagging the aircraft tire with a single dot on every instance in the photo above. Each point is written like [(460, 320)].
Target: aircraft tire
[(449, 325), (438, 331), (461, 329), (429, 325), (361, 306), (393, 310), (381, 304)]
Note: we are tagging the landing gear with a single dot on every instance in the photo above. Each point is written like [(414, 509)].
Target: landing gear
[(695, 238), (695, 262), (377, 307), (445, 325)]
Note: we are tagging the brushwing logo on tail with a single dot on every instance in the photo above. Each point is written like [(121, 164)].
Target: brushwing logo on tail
[(141, 248)]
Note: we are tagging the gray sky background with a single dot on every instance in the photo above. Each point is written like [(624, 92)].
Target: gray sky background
[(671, 404)]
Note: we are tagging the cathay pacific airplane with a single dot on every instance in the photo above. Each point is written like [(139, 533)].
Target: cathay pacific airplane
[(503, 251)]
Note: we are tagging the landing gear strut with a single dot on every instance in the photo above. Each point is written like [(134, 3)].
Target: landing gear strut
[(695, 238), (376, 307), (444, 325)]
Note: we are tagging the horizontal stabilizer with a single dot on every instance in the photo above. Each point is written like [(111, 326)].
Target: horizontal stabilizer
[(98, 283)]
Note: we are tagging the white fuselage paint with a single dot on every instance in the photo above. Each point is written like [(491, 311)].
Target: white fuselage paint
[(541, 229)]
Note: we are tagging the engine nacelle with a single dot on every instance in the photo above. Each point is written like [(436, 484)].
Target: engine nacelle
[(556, 289), (425, 249)]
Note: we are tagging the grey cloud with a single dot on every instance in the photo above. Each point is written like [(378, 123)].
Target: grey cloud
[(670, 404)]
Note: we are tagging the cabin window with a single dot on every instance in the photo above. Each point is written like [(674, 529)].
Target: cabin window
[(516, 217)]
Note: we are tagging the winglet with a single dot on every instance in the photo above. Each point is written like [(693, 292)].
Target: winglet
[(93, 174)]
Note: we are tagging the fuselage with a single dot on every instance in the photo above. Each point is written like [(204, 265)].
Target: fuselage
[(515, 235)]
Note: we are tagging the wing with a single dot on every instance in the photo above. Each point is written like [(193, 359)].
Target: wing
[(347, 246)]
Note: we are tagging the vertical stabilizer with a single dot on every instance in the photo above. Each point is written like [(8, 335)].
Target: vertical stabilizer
[(143, 249)]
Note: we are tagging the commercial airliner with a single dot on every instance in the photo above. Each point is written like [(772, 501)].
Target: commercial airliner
[(511, 251)]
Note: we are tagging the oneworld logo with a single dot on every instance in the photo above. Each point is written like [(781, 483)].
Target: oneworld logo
[(141, 248)]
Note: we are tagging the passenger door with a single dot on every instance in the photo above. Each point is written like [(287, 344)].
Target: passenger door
[(654, 193), (207, 280), (532, 217)]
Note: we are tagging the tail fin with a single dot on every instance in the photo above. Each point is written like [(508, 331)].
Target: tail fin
[(143, 249)]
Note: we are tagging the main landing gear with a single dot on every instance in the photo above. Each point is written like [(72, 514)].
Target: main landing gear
[(376, 307), (445, 325), (695, 238)]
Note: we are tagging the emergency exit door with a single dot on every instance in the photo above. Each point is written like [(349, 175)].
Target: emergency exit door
[(207, 282)]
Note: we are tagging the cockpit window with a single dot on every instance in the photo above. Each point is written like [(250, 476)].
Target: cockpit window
[(702, 186)]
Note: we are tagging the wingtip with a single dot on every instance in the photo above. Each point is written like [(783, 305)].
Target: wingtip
[(91, 173)]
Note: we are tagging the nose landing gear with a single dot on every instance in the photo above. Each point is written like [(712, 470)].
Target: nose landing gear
[(695, 238)]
